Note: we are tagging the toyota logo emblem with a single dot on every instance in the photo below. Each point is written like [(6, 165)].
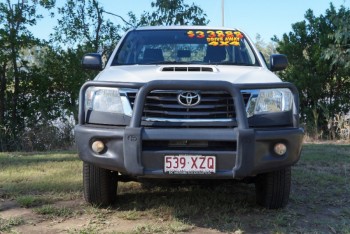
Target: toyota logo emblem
[(189, 98)]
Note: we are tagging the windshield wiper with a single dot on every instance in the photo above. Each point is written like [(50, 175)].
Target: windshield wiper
[(235, 64), (164, 62)]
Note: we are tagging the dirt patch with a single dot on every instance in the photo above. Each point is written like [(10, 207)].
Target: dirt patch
[(10, 209), (119, 219), (302, 214)]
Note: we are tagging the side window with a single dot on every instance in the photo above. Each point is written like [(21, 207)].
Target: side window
[(125, 53), (243, 54), (251, 59)]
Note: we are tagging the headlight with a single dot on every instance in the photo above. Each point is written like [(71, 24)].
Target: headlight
[(107, 100), (270, 101)]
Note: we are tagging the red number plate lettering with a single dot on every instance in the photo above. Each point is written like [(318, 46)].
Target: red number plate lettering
[(189, 164)]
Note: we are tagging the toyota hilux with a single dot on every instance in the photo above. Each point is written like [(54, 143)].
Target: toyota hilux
[(188, 103)]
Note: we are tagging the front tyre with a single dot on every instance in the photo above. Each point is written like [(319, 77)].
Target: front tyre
[(100, 185), (273, 188)]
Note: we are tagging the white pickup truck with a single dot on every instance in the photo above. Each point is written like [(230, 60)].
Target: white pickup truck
[(188, 103)]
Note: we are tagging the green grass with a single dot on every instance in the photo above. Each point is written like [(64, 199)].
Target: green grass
[(30, 201), (51, 211), (129, 215), (86, 230), (173, 227), (319, 201), (53, 173), (7, 224)]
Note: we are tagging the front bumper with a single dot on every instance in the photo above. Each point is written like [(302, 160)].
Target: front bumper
[(253, 155), (251, 152)]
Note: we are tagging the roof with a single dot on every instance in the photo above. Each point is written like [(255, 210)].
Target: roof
[(183, 27)]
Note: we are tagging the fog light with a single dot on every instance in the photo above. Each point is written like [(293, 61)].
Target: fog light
[(280, 149), (98, 146)]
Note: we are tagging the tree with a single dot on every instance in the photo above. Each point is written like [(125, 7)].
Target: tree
[(174, 12), (82, 22), (82, 28), (324, 89), (266, 49), (66, 78), (14, 37), (339, 52), (40, 80)]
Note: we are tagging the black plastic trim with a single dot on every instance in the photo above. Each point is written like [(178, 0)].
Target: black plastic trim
[(254, 152), (281, 119)]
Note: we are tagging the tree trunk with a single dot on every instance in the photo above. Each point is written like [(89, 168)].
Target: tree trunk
[(2, 93), (14, 119)]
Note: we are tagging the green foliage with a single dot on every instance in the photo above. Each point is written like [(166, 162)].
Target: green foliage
[(339, 52), (16, 73), (266, 49), (174, 12), (29, 201), (81, 29), (82, 23), (54, 212), (7, 224), (65, 79), (53, 176), (324, 89), (40, 80)]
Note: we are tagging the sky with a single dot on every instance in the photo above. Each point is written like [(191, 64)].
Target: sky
[(267, 18)]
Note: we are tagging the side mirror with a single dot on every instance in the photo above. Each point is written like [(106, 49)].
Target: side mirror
[(92, 61), (278, 62)]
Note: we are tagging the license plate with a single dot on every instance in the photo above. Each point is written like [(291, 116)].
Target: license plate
[(189, 164)]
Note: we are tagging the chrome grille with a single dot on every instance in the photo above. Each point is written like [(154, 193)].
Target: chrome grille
[(164, 105)]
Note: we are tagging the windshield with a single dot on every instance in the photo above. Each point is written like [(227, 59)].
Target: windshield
[(185, 47)]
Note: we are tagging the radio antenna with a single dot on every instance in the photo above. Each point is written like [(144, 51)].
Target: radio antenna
[(222, 13)]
